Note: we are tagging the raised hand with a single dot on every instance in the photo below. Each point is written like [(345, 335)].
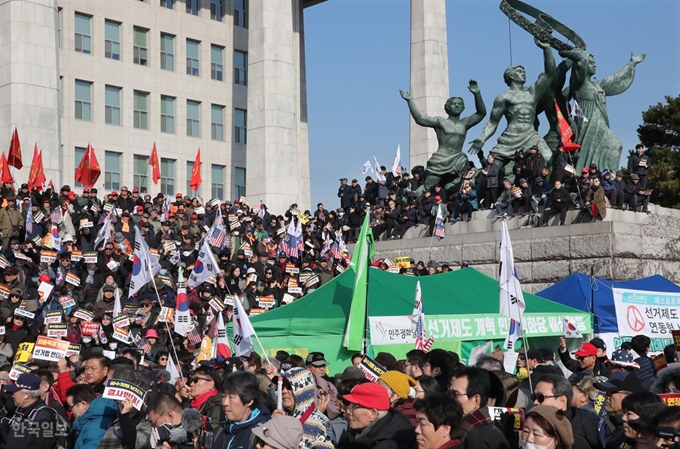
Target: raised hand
[(473, 87), (541, 44), (405, 95), (476, 147)]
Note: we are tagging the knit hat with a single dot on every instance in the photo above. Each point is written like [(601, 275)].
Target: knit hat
[(557, 419), (399, 382), (280, 432), (303, 387)]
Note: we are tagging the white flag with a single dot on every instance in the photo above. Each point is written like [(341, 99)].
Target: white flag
[(511, 298), (576, 111), (378, 171), (172, 369), (205, 266), (396, 164), (243, 331), (117, 307), (514, 334), (366, 167), (570, 329), (182, 314), (144, 267), (417, 307), (105, 232), (55, 238)]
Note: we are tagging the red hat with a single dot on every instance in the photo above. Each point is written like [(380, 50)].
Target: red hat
[(584, 170), (151, 333), (140, 207), (438, 198), (86, 190), (135, 190), (71, 194), (585, 350), (179, 195), (44, 278), (114, 193), (369, 395), (194, 217)]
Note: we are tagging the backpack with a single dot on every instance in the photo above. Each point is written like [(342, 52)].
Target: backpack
[(62, 427)]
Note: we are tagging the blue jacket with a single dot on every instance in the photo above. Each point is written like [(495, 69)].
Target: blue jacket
[(91, 427), (235, 435)]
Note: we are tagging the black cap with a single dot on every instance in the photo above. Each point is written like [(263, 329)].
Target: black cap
[(598, 343), (535, 354), (108, 288), (621, 381), (316, 359)]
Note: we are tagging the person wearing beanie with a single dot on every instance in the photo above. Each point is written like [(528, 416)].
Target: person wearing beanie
[(280, 432), (399, 388), (372, 423), (299, 392), (546, 427)]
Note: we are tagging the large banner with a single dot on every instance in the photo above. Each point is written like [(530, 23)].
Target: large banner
[(654, 314), (395, 330)]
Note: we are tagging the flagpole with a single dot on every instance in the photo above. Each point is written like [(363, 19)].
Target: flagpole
[(368, 274)]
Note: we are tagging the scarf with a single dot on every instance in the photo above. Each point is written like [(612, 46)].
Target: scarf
[(90, 277), (198, 401)]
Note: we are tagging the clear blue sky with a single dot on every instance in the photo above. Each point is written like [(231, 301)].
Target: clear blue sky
[(358, 59)]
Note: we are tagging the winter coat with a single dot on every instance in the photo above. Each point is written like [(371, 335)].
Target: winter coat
[(26, 431), (479, 432), (600, 370), (317, 431), (392, 431), (11, 222), (90, 428), (596, 196), (232, 435)]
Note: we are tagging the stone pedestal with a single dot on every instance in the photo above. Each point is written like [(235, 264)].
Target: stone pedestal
[(278, 152), (429, 73), (626, 245), (29, 81)]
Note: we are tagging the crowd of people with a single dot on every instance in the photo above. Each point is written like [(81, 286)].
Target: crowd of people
[(528, 189)]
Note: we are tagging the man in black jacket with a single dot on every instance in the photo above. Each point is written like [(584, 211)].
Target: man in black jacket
[(558, 203), (557, 391), (587, 359), (635, 194), (638, 163)]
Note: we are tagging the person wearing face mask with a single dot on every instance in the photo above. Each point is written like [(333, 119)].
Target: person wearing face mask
[(165, 414), (30, 416), (546, 427)]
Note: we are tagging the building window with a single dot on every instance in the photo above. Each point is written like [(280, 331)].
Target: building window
[(167, 114), (240, 127), (167, 52), (239, 182), (241, 13), (141, 110), (112, 40), (80, 152), (216, 62), (192, 7), (240, 67), (140, 178), (83, 33), (112, 170), (167, 176), (167, 4), (193, 49), (83, 100), (193, 118), (216, 10), (216, 122), (217, 181), (112, 105), (141, 46)]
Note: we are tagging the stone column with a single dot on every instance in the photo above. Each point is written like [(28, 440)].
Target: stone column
[(304, 199), (429, 73), (273, 158), (29, 82)]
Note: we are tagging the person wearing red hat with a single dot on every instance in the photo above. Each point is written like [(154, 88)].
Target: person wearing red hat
[(138, 200), (586, 358), (372, 423)]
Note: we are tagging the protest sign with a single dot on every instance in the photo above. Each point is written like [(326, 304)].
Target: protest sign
[(659, 362), (257, 311), (371, 368), (229, 300), (655, 314), (66, 301), (89, 328), (517, 414), (25, 313), (120, 389), (90, 257), (45, 290), (676, 340), (217, 304), (51, 349), (24, 351), (84, 314), (73, 349), (76, 256), (121, 321), (48, 256), (72, 279), (671, 399), (85, 223), (166, 315), (403, 262), (17, 370), (265, 302), (121, 335), (57, 330), (4, 263), (4, 291), (293, 286), (2, 330), (292, 269), (53, 317)]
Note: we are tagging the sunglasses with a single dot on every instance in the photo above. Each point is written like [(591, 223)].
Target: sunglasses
[(196, 379), (540, 397)]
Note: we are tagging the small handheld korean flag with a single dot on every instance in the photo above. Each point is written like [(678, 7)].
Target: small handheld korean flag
[(570, 329), (366, 167), (204, 267)]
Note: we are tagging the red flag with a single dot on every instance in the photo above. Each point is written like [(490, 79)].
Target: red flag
[(88, 170), (566, 132), (5, 175), (155, 164), (36, 177), (196, 180), (14, 156)]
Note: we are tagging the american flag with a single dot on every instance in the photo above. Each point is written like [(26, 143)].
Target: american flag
[(292, 243), (218, 237), (439, 225), (193, 336), (335, 251), (422, 342), (144, 345)]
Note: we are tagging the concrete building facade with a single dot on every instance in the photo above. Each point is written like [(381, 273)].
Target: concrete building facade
[(121, 75)]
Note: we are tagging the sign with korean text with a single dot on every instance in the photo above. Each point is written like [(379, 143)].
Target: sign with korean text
[(403, 262), (85, 223), (671, 399), (217, 304), (53, 317), (516, 413), (25, 313), (166, 315), (48, 256), (89, 328), (90, 257), (659, 362), (371, 368), (121, 335), (51, 349), (121, 321), (76, 256), (655, 314), (67, 301), (4, 291), (4, 263), (265, 302), (292, 269), (120, 389), (393, 330), (72, 279), (293, 286), (84, 314), (57, 330), (24, 351), (73, 349), (17, 370), (676, 340)]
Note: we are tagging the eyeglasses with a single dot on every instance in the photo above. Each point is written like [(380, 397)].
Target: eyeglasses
[(268, 273), (108, 318), (146, 305), (455, 394), (108, 249), (583, 357), (540, 397), (350, 407), (196, 379), (163, 359)]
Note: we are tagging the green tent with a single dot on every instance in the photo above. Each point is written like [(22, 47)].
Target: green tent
[(461, 310)]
